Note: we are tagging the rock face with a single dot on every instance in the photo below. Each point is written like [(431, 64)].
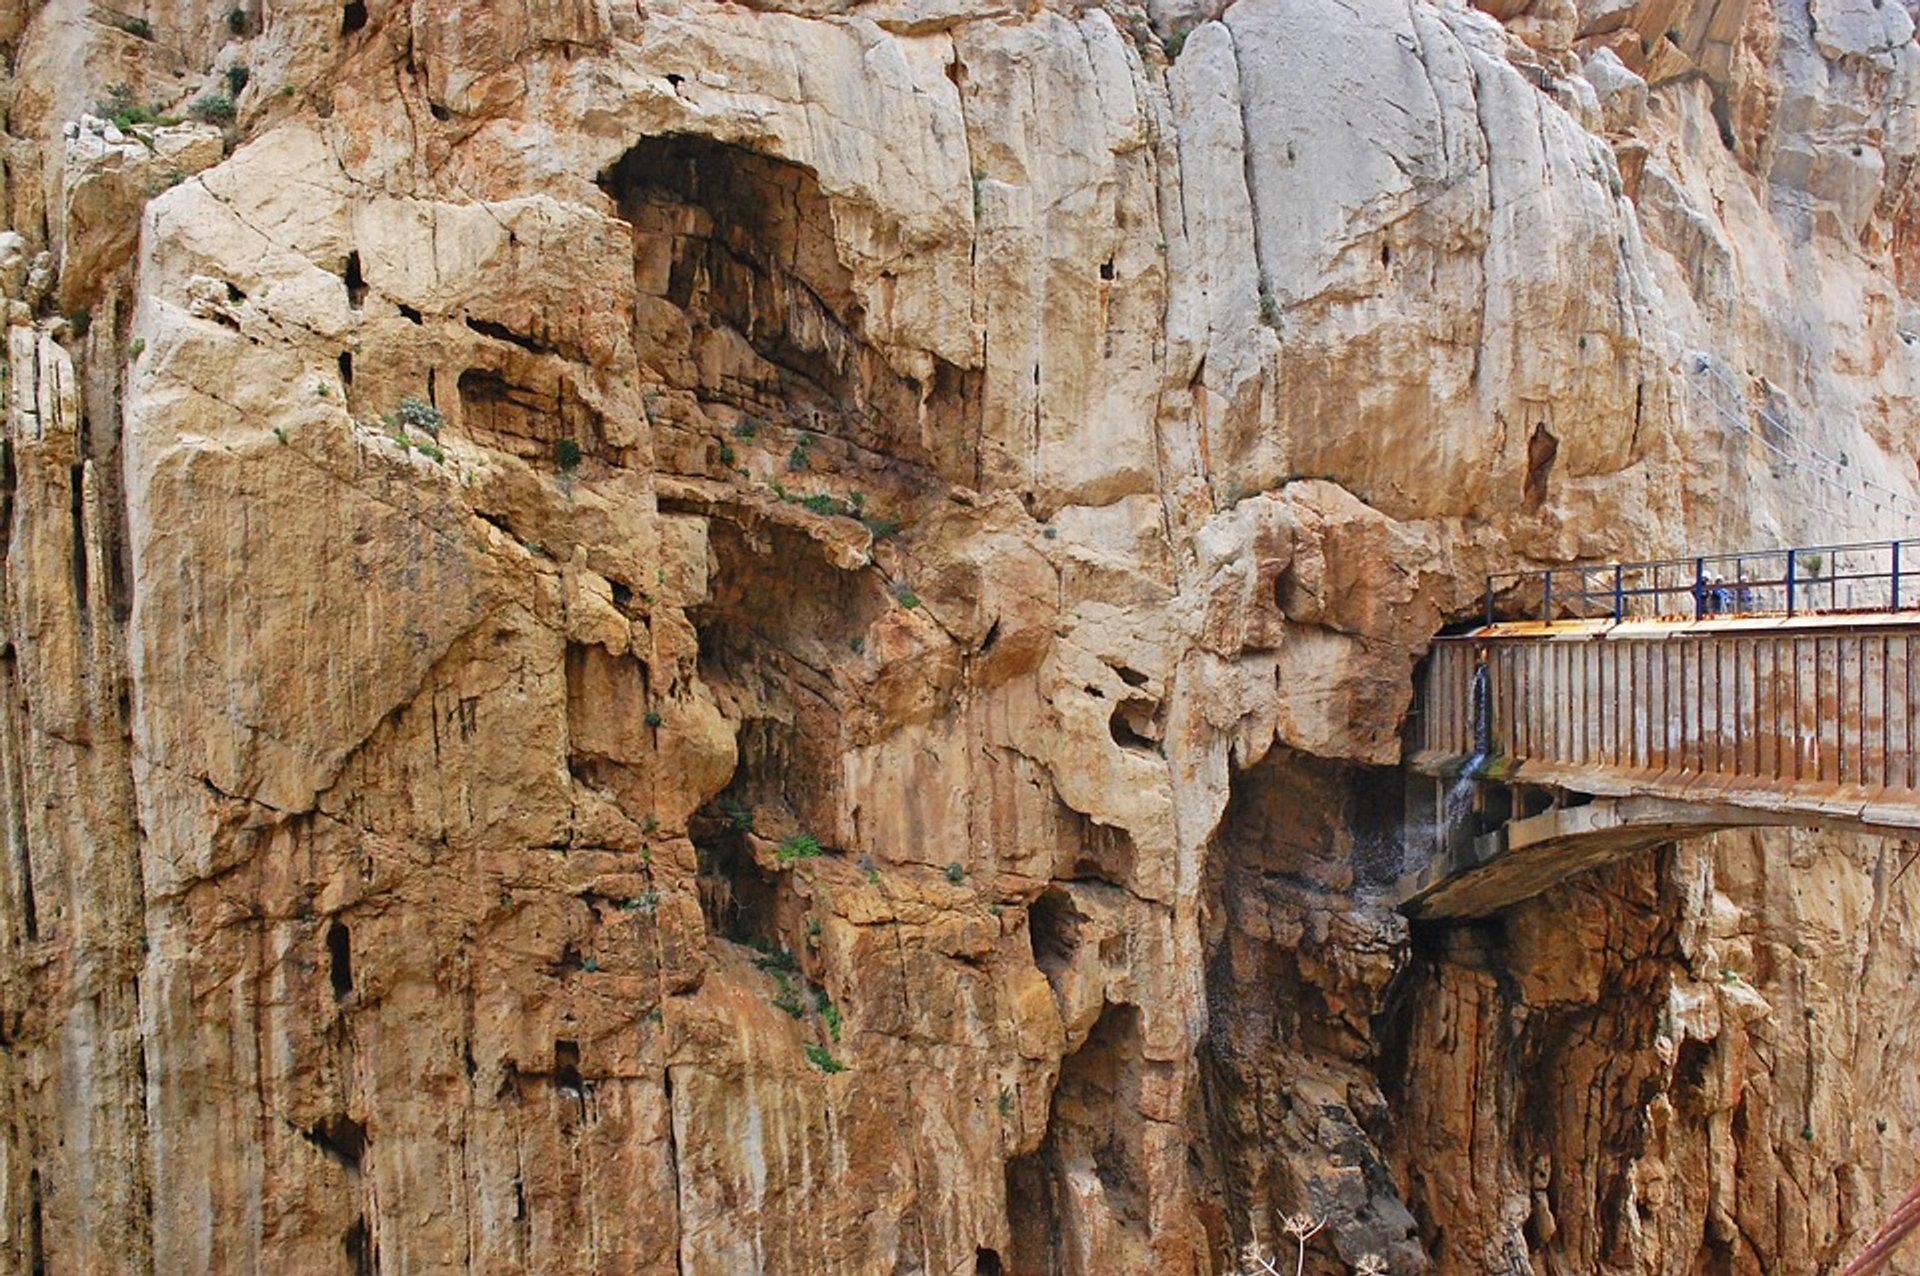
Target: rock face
[(714, 639)]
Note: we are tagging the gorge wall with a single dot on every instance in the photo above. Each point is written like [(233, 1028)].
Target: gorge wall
[(712, 638)]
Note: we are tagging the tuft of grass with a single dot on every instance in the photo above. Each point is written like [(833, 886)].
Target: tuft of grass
[(213, 108), (417, 414), (136, 347), (653, 718), (747, 426), (821, 1058), (237, 21), (566, 454), (739, 815), (80, 321), (821, 504), (801, 846), (956, 874), (280, 434), (829, 1013), (1176, 41), (787, 999), (237, 77), (906, 597), (800, 457), (120, 107), (880, 528), (1006, 1102), (773, 959), (138, 28)]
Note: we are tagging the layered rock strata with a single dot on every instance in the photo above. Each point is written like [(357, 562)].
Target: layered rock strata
[(714, 639)]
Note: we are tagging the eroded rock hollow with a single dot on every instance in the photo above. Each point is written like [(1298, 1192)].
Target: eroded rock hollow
[(707, 638)]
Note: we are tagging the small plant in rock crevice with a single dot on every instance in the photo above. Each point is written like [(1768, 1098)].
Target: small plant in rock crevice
[(786, 999), (213, 108), (822, 1058), (770, 958), (801, 846), (418, 414), (567, 454), (829, 1013), (120, 107)]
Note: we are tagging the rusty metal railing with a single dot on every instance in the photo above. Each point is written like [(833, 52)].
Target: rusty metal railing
[(1873, 576), (1814, 714)]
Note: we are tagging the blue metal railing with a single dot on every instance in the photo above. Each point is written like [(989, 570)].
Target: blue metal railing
[(1866, 577)]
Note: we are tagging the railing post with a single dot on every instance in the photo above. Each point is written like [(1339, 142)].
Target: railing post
[(1699, 588), (1791, 554), (1619, 593), (1546, 597), (1896, 577), (1489, 599)]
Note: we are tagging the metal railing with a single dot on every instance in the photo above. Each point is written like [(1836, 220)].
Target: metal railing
[(1873, 576), (1798, 714)]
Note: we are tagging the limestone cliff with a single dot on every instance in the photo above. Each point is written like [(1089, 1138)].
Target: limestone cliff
[(719, 638)]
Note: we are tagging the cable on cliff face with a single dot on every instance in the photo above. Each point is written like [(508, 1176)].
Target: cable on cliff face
[(1899, 1225)]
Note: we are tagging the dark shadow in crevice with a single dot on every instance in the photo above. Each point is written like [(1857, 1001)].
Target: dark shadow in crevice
[(1096, 1126)]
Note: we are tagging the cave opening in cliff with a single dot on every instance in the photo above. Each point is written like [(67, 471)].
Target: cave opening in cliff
[(340, 1137), (739, 899), (1093, 1155), (777, 637), (743, 246), (340, 958), (1053, 929)]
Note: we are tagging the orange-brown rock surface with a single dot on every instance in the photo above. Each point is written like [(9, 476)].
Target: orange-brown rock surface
[(704, 638)]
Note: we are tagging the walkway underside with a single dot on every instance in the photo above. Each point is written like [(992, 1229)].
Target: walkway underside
[(1479, 875)]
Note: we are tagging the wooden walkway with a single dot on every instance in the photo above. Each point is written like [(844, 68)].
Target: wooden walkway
[(1693, 724)]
